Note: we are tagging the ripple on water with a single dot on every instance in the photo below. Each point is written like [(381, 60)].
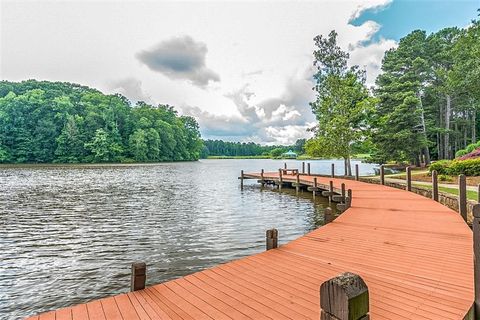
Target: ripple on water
[(69, 233)]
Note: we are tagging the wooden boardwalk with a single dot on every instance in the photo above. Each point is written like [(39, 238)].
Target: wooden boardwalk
[(415, 255)]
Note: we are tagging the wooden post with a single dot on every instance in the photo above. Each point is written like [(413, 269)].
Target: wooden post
[(434, 185), (331, 190), (344, 297), (262, 178), (303, 167), (476, 257), (333, 170), (343, 192), (308, 168), (382, 174), (328, 215), (285, 165), (241, 179), (357, 175), (409, 179), (348, 202), (478, 193), (297, 187), (314, 187), (272, 239), (462, 196), (139, 276), (280, 178)]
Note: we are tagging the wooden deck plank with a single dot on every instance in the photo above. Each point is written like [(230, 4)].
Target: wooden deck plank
[(126, 308), (64, 314), (47, 316), (414, 254), (95, 310), (79, 312)]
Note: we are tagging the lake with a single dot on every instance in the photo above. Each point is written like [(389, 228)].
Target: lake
[(70, 233)]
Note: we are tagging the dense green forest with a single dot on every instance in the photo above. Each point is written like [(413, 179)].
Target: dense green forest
[(43, 122), (249, 149), (424, 106)]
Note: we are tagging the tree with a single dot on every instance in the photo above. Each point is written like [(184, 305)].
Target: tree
[(342, 105)]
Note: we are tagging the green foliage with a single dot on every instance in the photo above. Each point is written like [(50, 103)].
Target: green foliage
[(277, 152), (469, 167), (343, 103), (468, 149), (441, 166), (219, 148), (43, 121), (444, 178)]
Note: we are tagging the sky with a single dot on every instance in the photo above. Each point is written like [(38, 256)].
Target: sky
[(242, 69)]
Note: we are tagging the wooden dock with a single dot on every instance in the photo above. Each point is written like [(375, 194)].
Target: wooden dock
[(414, 254)]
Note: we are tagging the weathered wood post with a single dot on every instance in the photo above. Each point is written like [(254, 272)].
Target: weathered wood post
[(344, 297), (348, 201), (303, 167), (434, 185), (409, 179), (382, 174), (139, 276), (272, 239), (343, 193), (285, 165), (476, 257), (330, 188), (328, 215), (308, 168), (262, 177), (280, 179), (297, 187), (478, 193), (241, 179), (314, 187), (462, 196), (357, 175), (333, 170)]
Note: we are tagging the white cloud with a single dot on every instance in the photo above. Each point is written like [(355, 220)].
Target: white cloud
[(262, 50)]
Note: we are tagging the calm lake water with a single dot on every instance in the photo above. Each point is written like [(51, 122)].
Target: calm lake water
[(69, 233)]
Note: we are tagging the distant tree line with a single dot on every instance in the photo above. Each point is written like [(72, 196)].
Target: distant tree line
[(247, 149), (44, 122), (424, 106)]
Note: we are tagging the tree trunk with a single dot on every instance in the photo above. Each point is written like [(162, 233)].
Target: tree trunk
[(425, 150), (474, 122), (447, 127)]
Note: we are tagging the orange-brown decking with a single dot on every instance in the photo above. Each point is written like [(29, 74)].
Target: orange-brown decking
[(415, 255)]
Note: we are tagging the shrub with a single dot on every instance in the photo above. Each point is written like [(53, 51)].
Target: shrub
[(460, 153), (469, 167), (441, 166), (470, 148), (443, 177)]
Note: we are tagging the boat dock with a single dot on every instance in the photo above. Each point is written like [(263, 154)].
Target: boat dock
[(391, 254)]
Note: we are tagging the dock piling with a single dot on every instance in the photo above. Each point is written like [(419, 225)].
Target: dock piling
[(262, 177), (382, 174), (331, 190), (409, 179), (314, 187), (272, 239), (344, 297), (308, 168), (303, 167), (333, 170), (241, 179), (297, 187), (357, 175), (328, 215), (434, 185), (476, 257), (343, 193), (285, 165), (139, 276), (462, 196), (280, 179)]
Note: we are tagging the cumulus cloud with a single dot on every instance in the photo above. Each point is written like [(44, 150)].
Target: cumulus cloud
[(279, 120), (130, 88), (180, 58)]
